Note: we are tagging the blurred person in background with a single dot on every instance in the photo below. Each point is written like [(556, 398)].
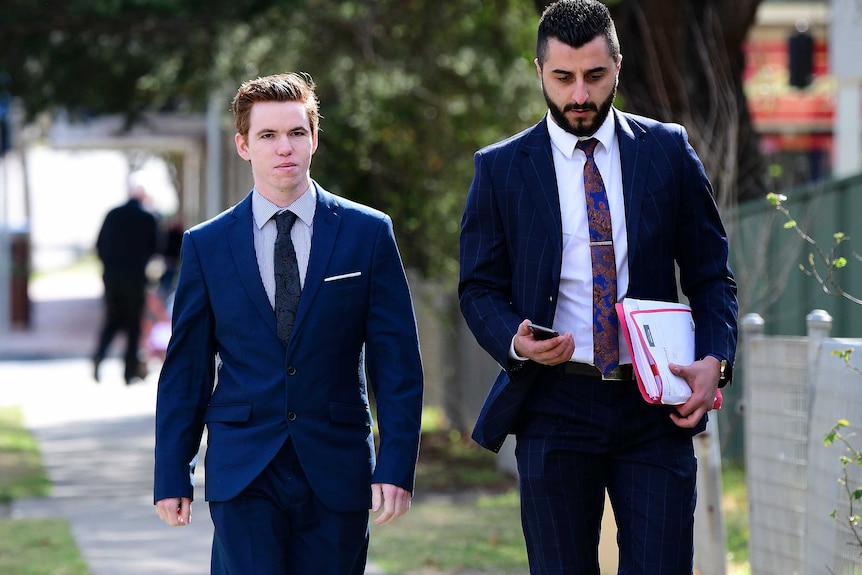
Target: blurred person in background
[(126, 242)]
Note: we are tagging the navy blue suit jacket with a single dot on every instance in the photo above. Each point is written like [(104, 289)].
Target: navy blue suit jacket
[(511, 248), (355, 317)]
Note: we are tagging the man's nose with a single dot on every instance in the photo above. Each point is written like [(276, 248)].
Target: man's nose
[(284, 146), (580, 95)]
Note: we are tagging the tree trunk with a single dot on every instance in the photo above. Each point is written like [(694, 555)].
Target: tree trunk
[(683, 62)]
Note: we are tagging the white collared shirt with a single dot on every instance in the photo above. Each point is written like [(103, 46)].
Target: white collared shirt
[(265, 232), (575, 300)]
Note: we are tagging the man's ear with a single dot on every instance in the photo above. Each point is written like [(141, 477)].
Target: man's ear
[(241, 146), (538, 68)]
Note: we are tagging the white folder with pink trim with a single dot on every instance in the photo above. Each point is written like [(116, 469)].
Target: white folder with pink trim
[(659, 333)]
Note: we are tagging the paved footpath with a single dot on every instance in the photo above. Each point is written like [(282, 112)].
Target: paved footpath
[(97, 445), (96, 441)]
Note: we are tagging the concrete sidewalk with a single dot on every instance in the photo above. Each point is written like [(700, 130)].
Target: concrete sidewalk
[(96, 439), (97, 445)]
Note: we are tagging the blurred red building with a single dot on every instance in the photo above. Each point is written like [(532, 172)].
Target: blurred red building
[(795, 124)]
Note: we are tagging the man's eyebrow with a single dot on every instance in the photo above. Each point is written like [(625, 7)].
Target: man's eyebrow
[(269, 130), (587, 72)]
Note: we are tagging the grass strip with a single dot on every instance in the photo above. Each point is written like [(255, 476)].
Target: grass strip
[(23, 475), (39, 547), (30, 546), (452, 535)]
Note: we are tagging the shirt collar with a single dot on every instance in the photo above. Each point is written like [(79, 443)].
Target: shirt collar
[(263, 210), (566, 142)]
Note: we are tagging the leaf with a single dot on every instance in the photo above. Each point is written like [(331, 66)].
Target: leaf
[(789, 224), (839, 262), (775, 199)]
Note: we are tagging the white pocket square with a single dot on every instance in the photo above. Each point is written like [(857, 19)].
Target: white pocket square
[(342, 276)]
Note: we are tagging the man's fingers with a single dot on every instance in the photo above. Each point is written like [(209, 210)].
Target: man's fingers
[(396, 502), (376, 497), (175, 511)]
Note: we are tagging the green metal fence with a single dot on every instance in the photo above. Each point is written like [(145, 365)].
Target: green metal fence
[(765, 257)]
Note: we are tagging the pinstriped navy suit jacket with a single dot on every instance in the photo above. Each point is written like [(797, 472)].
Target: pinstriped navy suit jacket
[(511, 248)]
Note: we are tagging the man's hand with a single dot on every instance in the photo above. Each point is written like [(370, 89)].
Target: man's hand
[(394, 500), (175, 511), (553, 351), (702, 378)]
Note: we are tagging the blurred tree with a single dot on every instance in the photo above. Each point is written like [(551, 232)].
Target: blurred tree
[(113, 56), (683, 61), (409, 88)]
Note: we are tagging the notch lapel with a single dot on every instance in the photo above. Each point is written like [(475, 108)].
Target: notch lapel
[(537, 169), (635, 154), (326, 224), (241, 242)]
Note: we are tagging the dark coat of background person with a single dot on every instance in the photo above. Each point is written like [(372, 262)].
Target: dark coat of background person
[(126, 242)]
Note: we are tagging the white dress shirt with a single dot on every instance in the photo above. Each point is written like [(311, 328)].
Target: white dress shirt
[(575, 300)]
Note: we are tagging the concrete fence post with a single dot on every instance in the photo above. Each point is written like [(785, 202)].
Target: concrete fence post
[(819, 324)]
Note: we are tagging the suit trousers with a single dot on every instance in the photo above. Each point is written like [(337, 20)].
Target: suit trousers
[(581, 436), (277, 526)]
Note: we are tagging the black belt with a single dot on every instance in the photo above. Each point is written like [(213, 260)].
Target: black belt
[(620, 373)]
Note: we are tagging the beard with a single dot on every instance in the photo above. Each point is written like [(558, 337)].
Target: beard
[(580, 127)]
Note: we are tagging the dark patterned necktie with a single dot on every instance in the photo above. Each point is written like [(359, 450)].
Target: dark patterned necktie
[(287, 287), (605, 323)]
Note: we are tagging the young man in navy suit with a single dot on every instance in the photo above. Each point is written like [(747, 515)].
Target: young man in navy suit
[(291, 465), (528, 253)]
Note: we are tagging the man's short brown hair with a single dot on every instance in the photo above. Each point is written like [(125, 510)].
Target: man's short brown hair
[(288, 87)]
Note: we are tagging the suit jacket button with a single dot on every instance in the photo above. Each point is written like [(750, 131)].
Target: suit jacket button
[(291, 416), (291, 370)]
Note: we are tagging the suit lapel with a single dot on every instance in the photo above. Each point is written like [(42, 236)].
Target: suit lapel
[(537, 168), (635, 154), (241, 241), (326, 224)]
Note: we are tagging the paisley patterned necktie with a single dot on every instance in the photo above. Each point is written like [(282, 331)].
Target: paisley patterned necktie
[(287, 286), (606, 351)]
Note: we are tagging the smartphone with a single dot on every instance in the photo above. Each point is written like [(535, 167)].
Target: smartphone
[(541, 332)]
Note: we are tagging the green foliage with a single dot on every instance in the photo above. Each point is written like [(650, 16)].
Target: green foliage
[(409, 89), (734, 507), (445, 535), (109, 56), (828, 281), (39, 547), (822, 265), (22, 472), (853, 492)]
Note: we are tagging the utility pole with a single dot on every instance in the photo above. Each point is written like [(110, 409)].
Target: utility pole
[(5, 248)]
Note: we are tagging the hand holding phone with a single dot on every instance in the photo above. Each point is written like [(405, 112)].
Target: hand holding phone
[(542, 332)]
